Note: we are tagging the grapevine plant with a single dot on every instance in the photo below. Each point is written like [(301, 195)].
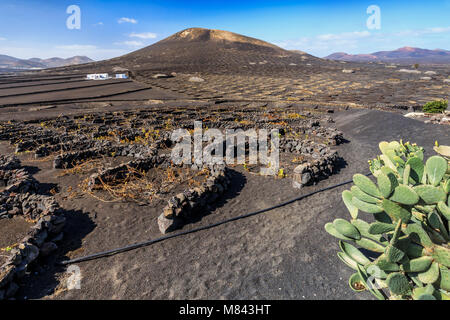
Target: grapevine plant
[(404, 252)]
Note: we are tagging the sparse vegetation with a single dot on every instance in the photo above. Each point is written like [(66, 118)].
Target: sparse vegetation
[(281, 173), (407, 249), (143, 187), (436, 106)]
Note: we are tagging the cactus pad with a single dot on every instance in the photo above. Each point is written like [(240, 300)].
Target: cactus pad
[(385, 184), (353, 253), (417, 265), (435, 168), (361, 195), (396, 211), (347, 229), (365, 206), (430, 194), (347, 198), (407, 247), (405, 195), (380, 228), (366, 185), (431, 275), (356, 283), (398, 284), (417, 169)]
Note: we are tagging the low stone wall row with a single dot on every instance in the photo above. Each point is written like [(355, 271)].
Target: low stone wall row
[(315, 170), (47, 138), (305, 147), (40, 240), (9, 162), (180, 206), (29, 204), (184, 205), (81, 144), (17, 180), (12, 177), (69, 159), (16, 132), (103, 148)]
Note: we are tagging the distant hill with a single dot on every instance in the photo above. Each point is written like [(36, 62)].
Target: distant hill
[(8, 62), (402, 55)]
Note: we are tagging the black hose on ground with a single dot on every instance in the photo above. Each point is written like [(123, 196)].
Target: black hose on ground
[(210, 226)]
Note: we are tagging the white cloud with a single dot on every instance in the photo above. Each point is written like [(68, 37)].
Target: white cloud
[(344, 36), (439, 30), (77, 47), (421, 32), (362, 41), (98, 24), (63, 51), (2, 38), (92, 51), (127, 20), (327, 42), (130, 43), (144, 35)]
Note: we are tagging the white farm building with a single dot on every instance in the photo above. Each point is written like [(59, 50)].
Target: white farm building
[(97, 76), (106, 76), (121, 76)]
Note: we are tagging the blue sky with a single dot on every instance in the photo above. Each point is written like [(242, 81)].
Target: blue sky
[(31, 28)]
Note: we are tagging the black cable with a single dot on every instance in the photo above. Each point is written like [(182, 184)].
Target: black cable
[(150, 242)]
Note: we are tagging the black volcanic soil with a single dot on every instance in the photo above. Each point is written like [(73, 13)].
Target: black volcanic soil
[(11, 232), (281, 254)]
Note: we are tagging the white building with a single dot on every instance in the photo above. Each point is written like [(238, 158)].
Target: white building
[(97, 76)]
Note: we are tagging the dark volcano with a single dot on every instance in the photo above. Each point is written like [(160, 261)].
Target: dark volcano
[(213, 49)]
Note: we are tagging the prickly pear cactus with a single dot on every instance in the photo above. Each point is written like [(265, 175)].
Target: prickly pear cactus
[(404, 252)]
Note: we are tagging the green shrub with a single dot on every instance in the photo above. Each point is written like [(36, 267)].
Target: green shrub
[(406, 249), (437, 106)]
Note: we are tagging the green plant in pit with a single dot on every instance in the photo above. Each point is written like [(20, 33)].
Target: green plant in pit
[(437, 106), (406, 248)]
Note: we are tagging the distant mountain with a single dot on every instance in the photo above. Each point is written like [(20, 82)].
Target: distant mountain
[(8, 62), (402, 55), (60, 62)]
